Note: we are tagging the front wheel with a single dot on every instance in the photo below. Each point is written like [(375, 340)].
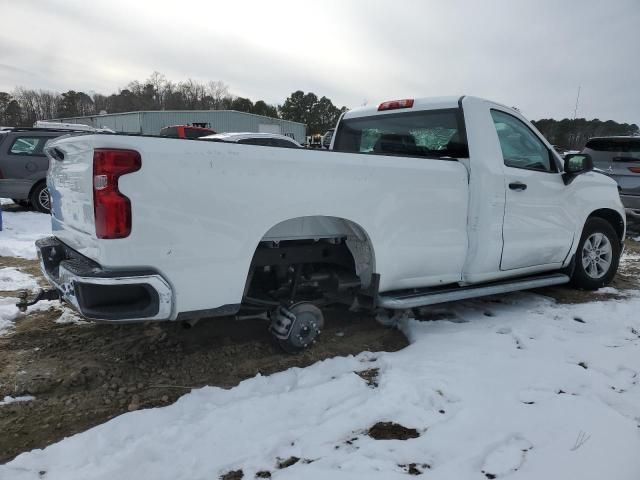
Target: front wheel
[(40, 199), (597, 256)]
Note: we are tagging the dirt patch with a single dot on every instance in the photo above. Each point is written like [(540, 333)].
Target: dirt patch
[(392, 431), (286, 463), (83, 375), (232, 475), (370, 376), (415, 468)]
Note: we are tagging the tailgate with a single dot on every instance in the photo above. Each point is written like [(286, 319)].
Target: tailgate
[(70, 183)]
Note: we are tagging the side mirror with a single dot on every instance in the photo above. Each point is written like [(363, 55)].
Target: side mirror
[(576, 164)]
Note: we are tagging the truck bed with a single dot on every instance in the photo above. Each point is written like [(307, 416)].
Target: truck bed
[(200, 208)]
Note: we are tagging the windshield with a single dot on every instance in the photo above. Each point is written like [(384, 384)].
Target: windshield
[(422, 134)]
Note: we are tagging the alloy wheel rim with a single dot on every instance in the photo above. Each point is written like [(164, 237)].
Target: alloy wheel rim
[(597, 255), (44, 199)]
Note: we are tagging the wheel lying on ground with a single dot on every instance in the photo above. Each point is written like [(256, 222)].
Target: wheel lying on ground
[(40, 199), (297, 327), (597, 256)]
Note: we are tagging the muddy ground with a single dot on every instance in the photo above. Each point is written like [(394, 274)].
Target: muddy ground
[(84, 374)]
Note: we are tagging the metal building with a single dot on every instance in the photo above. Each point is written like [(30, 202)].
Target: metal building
[(151, 122)]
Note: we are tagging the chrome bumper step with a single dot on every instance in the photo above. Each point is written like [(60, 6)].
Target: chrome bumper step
[(423, 297)]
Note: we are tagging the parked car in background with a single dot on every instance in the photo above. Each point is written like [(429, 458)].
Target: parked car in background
[(23, 165), (186, 131), (253, 138), (619, 157), (76, 127), (314, 141)]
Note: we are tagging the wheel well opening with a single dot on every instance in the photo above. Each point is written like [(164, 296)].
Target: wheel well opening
[(614, 219), (36, 185), (310, 258)]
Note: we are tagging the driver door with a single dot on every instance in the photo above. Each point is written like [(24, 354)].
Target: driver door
[(538, 228)]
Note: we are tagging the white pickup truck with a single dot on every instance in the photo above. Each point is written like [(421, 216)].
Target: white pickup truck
[(418, 202)]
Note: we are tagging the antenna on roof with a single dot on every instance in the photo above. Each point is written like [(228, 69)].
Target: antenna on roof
[(575, 110)]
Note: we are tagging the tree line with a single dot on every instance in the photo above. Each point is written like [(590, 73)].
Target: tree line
[(573, 134), (23, 107)]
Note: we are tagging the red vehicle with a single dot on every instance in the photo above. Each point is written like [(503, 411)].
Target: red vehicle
[(186, 131)]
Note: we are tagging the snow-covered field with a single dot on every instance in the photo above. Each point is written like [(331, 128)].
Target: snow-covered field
[(516, 387), (20, 231)]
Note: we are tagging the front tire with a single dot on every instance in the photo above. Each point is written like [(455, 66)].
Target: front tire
[(40, 199), (597, 256)]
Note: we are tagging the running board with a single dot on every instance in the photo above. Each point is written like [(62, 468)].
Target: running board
[(421, 298)]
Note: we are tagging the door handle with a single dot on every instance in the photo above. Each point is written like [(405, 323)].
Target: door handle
[(519, 186)]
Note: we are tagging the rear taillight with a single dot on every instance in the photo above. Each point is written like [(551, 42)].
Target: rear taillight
[(112, 210), (395, 104), (635, 169)]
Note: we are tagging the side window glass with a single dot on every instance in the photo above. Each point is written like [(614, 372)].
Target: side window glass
[(27, 146), (521, 148)]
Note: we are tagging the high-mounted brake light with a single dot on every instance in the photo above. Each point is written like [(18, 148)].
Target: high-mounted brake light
[(112, 209), (395, 104), (635, 169)]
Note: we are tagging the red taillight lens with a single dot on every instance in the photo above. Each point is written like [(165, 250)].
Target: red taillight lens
[(635, 169), (112, 210), (395, 104)]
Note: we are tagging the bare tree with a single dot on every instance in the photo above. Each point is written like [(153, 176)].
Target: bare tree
[(218, 91)]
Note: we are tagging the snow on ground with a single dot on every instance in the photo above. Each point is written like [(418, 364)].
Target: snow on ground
[(517, 387), (12, 279), (514, 387), (8, 313), (69, 316), (19, 232), (7, 400)]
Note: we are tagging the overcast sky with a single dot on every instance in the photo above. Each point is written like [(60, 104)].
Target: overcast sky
[(529, 54)]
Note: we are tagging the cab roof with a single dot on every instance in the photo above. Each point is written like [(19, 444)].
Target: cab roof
[(425, 103)]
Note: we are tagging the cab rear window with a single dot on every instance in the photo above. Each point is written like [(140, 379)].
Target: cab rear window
[(432, 133)]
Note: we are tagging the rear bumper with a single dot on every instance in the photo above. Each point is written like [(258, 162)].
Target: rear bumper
[(104, 295)]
